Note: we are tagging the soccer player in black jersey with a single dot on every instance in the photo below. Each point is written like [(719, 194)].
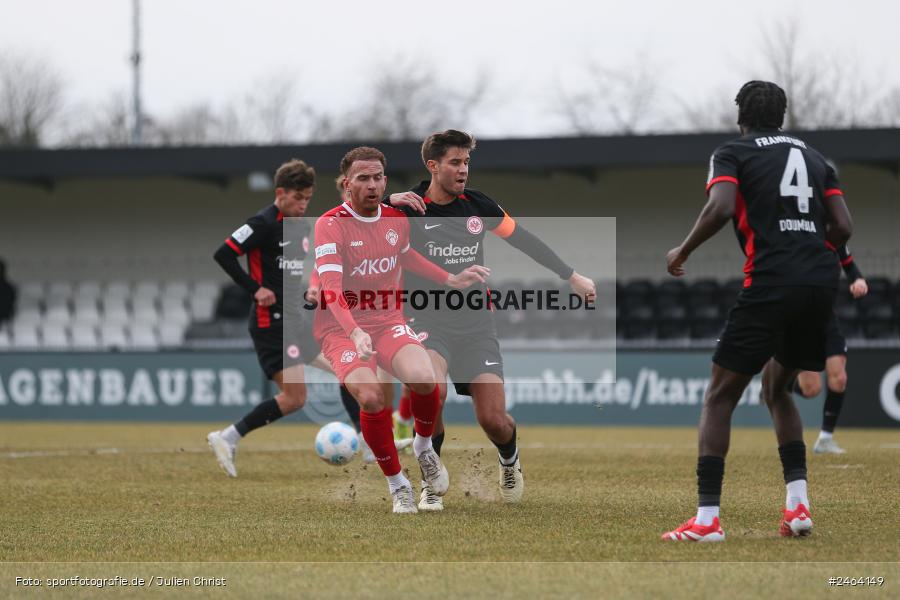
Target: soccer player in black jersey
[(261, 238), (809, 383), (464, 343), (785, 203)]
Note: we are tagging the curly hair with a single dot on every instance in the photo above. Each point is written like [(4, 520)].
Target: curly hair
[(761, 105)]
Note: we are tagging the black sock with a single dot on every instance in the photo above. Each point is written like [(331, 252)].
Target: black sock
[(262, 414), (351, 406), (832, 410), (508, 450), (793, 460), (710, 473), (437, 441)]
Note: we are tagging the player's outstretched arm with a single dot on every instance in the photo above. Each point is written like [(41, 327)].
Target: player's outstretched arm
[(418, 264), (840, 223), (719, 210)]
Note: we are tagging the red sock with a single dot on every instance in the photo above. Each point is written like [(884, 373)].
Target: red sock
[(425, 409), (377, 429), (405, 408)]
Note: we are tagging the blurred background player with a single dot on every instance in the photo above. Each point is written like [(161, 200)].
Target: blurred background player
[(464, 342), (261, 238), (809, 383), (402, 438), (372, 241), (7, 295), (785, 201)]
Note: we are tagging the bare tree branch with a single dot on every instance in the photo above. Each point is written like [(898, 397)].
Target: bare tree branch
[(31, 99)]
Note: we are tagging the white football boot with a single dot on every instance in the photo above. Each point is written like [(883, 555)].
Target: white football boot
[(434, 472), (404, 501), (827, 446), (224, 452), (429, 501), (512, 484)]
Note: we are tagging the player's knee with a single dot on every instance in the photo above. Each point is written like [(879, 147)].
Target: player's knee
[(810, 389), (496, 423), (837, 382), (293, 398), (370, 398), (422, 382)]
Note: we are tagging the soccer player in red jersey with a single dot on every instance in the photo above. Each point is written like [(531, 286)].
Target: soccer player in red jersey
[(361, 247)]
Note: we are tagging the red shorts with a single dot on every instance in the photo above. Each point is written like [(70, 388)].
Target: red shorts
[(387, 339)]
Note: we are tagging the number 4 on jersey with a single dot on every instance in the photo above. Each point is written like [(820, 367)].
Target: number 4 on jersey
[(795, 170)]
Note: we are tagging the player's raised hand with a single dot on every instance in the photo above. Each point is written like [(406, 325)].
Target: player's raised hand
[(463, 279), (410, 199), (264, 297), (859, 288), (675, 260), (363, 343), (583, 286)]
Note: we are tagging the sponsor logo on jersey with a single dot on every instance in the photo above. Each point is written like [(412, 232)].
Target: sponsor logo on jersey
[(356, 243), (348, 356), (242, 233), (293, 351), (427, 226), (796, 225), (475, 225), (451, 249), (392, 237), (422, 336), (375, 266), (326, 249), (288, 264)]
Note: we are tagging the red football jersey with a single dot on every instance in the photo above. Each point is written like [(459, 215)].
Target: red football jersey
[(366, 251)]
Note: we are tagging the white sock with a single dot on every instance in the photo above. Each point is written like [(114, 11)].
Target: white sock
[(706, 514), (825, 435), (421, 444), (796, 494), (506, 462), (395, 482), (231, 435)]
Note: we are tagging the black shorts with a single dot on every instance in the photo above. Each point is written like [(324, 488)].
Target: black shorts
[(835, 343), (275, 354), (467, 356), (789, 323)]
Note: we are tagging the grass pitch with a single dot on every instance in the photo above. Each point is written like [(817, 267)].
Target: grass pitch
[(148, 500)]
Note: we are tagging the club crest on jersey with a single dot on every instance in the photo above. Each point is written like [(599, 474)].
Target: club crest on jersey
[(422, 336), (293, 351), (305, 244), (392, 237), (348, 356), (475, 225)]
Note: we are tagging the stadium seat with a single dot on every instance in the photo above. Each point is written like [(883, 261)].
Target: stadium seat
[(117, 289), (84, 337), (60, 290), (171, 335), (175, 289), (112, 336), (202, 308), (206, 289), (25, 336), (142, 336), (85, 312), (54, 336), (146, 290), (87, 290), (5, 340)]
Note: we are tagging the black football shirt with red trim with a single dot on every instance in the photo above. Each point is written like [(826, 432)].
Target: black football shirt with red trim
[(261, 238), (780, 215), (452, 237)]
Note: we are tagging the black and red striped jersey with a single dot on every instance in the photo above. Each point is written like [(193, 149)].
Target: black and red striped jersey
[(780, 216), (270, 256)]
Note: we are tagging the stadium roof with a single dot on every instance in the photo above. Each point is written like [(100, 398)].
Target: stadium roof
[(877, 147)]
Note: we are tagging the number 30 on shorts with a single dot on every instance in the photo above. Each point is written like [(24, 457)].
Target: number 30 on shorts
[(401, 330)]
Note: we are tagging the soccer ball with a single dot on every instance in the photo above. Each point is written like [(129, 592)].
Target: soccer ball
[(337, 443)]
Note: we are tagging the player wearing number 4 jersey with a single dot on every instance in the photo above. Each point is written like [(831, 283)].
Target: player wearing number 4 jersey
[(785, 203), (361, 247)]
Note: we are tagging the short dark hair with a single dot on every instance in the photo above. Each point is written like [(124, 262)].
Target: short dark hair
[(362, 153), (761, 105), (436, 145), (295, 175)]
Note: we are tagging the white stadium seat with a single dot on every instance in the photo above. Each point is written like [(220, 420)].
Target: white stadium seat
[(84, 337), (171, 334), (143, 337), (206, 289), (145, 290), (202, 307), (112, 335), (87, 290), (25, 336), (60, 289), (175, 289), (117, 289), (54, 336)]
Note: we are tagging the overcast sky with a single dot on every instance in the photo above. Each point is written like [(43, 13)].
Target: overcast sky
[(205, 50)]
